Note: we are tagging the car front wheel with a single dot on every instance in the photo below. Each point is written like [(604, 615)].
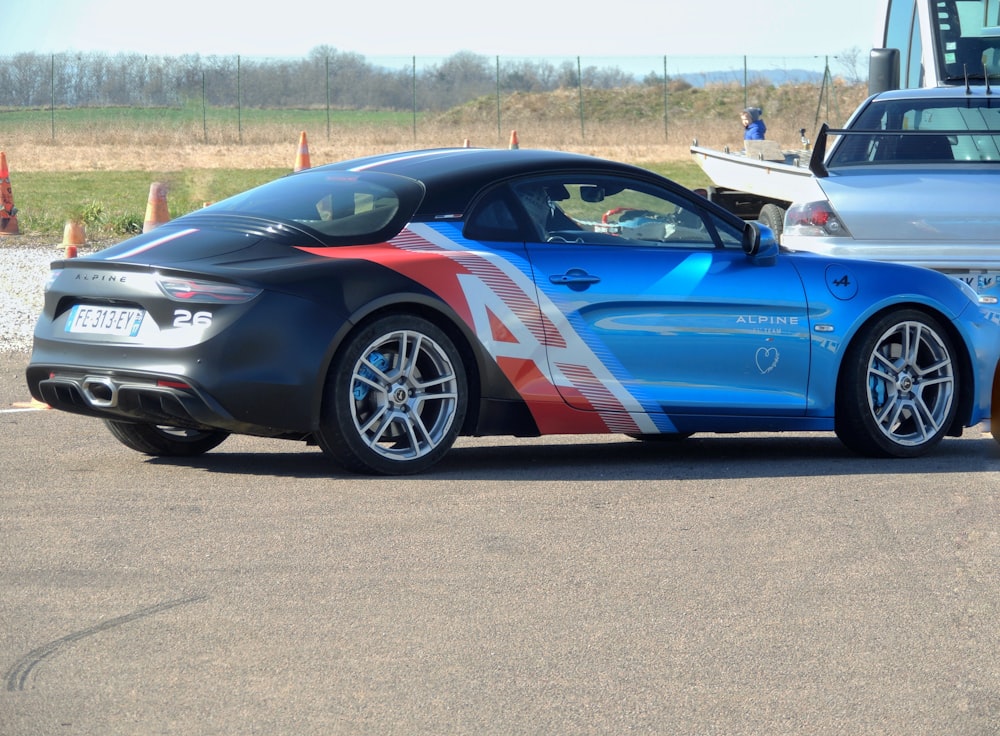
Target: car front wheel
[(162, 441), (395, 398), (898, 389)]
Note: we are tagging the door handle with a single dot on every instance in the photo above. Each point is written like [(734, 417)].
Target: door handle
[(575, 278)]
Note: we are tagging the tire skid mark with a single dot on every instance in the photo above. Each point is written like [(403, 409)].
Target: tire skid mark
[(17, 676)]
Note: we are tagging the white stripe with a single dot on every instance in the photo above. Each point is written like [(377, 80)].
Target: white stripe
[(153, 243), (408, 157), (575, 352)]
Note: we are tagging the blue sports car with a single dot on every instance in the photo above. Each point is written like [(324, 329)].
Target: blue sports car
[(383, 306)]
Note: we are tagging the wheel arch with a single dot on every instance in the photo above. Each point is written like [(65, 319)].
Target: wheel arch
[(482, 373), (966, 376)]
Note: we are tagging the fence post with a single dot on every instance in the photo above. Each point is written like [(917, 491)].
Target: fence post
[(204, 107), (666, 129), (498, 98), (239, 100), (746, 101), (413, 93), (52, 93)]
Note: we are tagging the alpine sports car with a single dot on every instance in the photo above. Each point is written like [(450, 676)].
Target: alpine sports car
[(383, 306)]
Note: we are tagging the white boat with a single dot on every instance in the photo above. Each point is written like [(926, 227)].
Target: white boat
[(787, 179)]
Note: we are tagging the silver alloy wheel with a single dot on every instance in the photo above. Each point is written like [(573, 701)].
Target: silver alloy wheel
[(405, 394), (911, 383)]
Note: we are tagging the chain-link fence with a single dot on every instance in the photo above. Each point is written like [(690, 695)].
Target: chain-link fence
[(226, 99)]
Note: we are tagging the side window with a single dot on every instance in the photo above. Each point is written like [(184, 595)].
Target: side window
[(902, 32), (609, 210), (492, 219)]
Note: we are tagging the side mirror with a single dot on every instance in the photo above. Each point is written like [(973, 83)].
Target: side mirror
[(883, 70), (759, 244)]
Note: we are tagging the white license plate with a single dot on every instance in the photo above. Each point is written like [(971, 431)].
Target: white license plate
[(123, 321), (987, 282)]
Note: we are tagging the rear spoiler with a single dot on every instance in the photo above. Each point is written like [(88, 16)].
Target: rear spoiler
[(816, 165)]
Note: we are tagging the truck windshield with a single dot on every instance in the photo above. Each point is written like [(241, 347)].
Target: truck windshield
[(968, 33)]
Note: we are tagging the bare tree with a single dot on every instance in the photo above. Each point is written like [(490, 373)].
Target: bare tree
[(853, 62)]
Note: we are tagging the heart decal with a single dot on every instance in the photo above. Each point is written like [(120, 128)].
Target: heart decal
[(767, 359)]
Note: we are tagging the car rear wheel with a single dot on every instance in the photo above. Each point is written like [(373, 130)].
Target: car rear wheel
[(995, 407), (162, 441), (898, 389), (395, 398)]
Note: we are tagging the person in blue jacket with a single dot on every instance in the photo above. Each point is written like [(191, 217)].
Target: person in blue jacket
[(753, 124)]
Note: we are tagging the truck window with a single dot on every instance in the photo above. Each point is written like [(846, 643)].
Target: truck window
[(939, 41), (967, 38), (902, 32)]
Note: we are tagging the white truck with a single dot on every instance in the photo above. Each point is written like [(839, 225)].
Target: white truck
[(919, 43)]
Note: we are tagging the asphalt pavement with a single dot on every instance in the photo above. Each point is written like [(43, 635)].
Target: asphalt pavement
[(727, 584)]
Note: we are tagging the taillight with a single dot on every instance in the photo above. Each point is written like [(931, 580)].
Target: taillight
[(214, 292), (53, 275), (814, 218), (163, 383)]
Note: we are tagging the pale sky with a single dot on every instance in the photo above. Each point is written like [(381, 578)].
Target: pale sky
[(440, 28)]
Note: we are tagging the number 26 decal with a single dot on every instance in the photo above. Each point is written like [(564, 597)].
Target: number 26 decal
[(184, 318)]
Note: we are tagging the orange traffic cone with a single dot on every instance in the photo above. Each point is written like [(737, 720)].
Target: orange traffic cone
[(73, 237), (8, 212), (513, 140), (156, 207), (302, 156)]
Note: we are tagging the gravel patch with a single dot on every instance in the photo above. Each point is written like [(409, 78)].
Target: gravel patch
[(24, 269)]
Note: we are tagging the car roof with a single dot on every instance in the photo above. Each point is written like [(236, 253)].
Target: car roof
[(453, 176)]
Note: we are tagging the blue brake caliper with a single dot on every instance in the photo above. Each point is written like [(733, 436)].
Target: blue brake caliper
[(878, 392), (361, 389)]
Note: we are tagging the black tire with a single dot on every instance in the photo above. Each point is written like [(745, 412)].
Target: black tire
[(151, 439), (995, 407), (395, 398), (898, 388), (774, 217)]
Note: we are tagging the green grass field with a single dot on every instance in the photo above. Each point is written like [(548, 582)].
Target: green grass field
[(110, 198), (122, 151), (112, 204)]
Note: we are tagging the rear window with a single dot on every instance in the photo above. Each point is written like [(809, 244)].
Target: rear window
[(922, 131), (341, 206)]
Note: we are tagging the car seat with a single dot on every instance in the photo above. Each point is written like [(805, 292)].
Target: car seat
[(924, 148)]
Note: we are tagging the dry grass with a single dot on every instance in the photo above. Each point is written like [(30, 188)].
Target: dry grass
[(71, 155), (270, 145)]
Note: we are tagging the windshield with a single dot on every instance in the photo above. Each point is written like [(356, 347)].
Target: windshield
[(922, 131), (969, 37)]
